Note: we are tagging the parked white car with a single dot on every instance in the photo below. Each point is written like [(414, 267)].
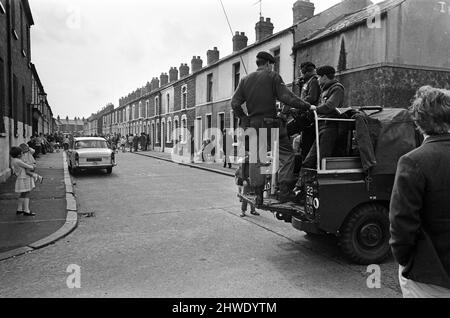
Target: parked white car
[(90, 153)]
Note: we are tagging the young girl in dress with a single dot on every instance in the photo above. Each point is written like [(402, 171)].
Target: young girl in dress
[(27, 157), (24, 183)]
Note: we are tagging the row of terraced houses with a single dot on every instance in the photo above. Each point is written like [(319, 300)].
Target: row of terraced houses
[(24, 108), (382, 52)]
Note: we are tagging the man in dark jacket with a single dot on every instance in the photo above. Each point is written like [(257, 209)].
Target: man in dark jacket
[(143, 141), (136, 143), (260, 90), (332, 98), (310, 92), (420, 202)]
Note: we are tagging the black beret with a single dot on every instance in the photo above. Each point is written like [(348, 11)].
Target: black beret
[(266, 56), (326, 70)]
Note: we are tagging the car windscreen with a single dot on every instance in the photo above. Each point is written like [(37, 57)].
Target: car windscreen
[(85, 144)]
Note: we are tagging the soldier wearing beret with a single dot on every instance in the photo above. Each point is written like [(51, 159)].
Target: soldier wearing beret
[(260, 91)]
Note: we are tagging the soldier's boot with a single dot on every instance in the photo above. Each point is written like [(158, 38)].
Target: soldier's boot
[(286, 194)]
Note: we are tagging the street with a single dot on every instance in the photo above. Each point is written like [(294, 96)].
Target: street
[(157, 229)]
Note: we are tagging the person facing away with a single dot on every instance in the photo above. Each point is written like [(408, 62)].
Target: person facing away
[(260, 91), (143, 141), (420, 202), (136, 143)]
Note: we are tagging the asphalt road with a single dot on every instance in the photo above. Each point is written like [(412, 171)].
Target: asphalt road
[(158, 229)]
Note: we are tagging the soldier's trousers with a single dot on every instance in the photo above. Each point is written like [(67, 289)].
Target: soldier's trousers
[(285, 151)]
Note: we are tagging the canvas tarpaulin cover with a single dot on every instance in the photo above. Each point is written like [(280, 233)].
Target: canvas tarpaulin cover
[(383, 137)]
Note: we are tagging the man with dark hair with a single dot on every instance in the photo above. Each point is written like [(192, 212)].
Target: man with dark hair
[(260, 90), (310, 92), (309, 83)]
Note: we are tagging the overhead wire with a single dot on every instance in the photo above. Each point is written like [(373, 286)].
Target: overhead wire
[(232, 33)]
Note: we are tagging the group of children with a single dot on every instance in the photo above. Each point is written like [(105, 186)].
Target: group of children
[(23, 165)]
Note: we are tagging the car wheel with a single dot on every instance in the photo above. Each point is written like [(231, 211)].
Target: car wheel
[(108, 170), (364, 237)]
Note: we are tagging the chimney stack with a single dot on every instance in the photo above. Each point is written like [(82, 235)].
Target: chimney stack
[(196, 64), (184, 70), (263, 29), (212, 56), (164, 79), (173, 74), (239, 41), (154, 83), (303, 9)]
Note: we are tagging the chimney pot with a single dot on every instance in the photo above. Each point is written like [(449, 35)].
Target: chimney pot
[(196, 64), (212, 56), (303, 10), (263, 29), (239, 41)]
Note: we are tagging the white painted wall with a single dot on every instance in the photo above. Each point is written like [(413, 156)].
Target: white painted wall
[(223, 72), (5, 146)]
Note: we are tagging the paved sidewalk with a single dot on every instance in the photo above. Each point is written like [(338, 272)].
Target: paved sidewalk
[(48, 201), (212, 167)]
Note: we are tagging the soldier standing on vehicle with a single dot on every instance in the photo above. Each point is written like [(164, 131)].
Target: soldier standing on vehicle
[(332, 97), (310, 92), (260, 90)]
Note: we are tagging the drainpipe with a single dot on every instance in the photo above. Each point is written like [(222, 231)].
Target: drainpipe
[(10, 110)]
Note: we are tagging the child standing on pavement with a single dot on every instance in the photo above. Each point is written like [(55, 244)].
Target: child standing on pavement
[(24, 183), (242, 189), (27, 157)]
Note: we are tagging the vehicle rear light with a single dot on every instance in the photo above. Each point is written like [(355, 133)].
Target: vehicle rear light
[(77, 159), (113, 157)]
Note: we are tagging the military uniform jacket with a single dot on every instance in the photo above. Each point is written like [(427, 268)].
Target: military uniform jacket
[(261, 90)]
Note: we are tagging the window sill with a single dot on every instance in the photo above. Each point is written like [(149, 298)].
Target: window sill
[(2, 9), (16, 36), (24, 54), (3, 135)]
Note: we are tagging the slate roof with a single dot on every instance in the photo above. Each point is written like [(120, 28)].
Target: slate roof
[(343, 23)]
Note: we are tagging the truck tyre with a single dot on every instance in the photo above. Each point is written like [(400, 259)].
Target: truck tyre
[(108, 170), (364, 237)]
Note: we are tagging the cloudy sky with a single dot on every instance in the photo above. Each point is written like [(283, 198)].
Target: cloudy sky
[(92, 52)]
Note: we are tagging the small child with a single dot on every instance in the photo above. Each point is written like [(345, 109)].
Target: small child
[(24, 183), (242, 189), (27, 157)]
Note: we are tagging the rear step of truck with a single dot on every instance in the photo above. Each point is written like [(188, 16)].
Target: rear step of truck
[(273, 205)]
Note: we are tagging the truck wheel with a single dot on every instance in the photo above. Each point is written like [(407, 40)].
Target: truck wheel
[(108, 170), (365, 235)]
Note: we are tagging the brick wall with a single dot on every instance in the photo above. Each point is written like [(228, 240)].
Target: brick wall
[(389, 86)]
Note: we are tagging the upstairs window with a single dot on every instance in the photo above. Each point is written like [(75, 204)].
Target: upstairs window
[(209, 87), (276, 55), (157, 105), (168, 103), (184, 97), (236, 75), (22, 37)]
